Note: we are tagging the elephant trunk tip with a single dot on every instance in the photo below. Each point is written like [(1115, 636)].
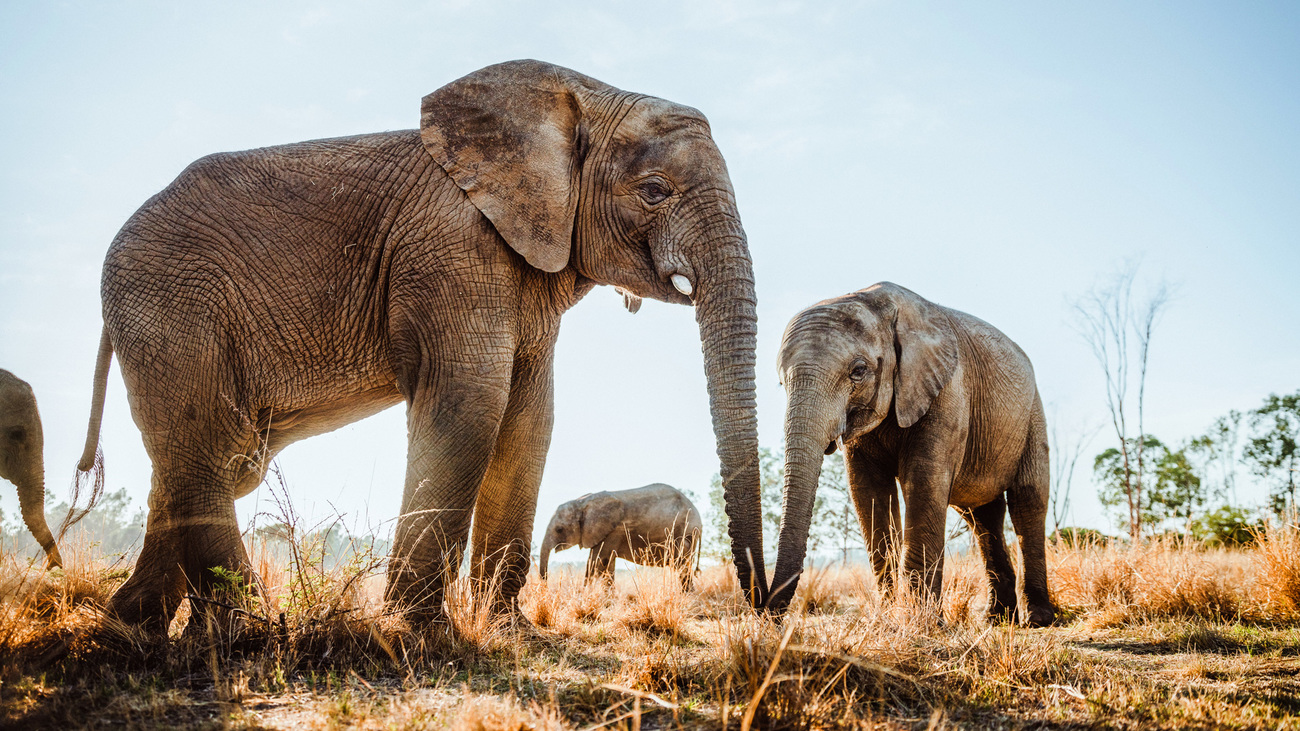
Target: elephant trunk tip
[(53, 560)]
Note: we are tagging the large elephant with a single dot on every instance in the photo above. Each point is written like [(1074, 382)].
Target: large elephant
[(655, 525), (935, 399), (22, 458), (275, 294)]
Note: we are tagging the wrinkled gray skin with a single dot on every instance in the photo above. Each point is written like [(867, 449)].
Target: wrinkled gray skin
[(655, 525), (271, 295), (936, 399), (22, 458)]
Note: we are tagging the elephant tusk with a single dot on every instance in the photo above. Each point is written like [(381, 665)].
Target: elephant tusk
[(682, 284)]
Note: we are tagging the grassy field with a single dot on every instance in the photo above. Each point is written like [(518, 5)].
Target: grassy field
[(1161, 636)]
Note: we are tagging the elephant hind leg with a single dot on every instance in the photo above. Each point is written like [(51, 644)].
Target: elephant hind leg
[(185, 540), (986, 524), (1027, 503), (199, 465), (156, 587)]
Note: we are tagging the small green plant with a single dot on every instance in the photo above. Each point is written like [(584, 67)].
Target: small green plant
[(229, 586)]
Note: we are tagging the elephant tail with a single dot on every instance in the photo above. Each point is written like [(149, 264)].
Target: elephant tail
[(699, 549), (91, 466)]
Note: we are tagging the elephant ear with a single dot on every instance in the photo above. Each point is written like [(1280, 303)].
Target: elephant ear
[(925, 349), (603, 516), (512, 137)]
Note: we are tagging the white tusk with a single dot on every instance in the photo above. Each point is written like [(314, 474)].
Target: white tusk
[(682, 284)]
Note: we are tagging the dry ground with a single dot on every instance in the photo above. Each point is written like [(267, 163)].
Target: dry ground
[(1162, 636)]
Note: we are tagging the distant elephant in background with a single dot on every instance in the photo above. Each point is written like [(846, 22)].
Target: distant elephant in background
[(655, 525), (271, 295), (22, 458), (936, 399)]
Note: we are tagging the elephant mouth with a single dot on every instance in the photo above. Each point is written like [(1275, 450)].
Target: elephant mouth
[(830, 448)]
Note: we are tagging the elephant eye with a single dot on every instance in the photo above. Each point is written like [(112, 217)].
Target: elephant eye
[(18, 434), (859, 371), (654, 191)]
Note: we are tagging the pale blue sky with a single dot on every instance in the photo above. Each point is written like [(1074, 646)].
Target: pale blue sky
[(995, 157)]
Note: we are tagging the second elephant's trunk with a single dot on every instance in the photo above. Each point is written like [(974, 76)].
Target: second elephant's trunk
[(808, 430)]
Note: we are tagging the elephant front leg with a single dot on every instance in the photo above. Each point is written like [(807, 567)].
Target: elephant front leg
[(925, 490), (600, 564), (507, 501), (875, 497), (452, 430), (685, 559)]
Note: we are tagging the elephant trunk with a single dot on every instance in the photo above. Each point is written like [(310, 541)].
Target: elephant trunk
[(725, 308), (808, 430), (548, 543), (31, 499)]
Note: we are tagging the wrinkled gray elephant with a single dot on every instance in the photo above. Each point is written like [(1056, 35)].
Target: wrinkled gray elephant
[(22, 458), (936, 399), (655, 525), (271, 295)]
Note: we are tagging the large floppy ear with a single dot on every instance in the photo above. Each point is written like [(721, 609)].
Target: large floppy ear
[(925, 349), (603, 516), (512, 137)]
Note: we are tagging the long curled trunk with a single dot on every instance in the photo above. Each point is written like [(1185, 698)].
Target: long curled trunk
[(808, 430), (31, 499), (725, 308)]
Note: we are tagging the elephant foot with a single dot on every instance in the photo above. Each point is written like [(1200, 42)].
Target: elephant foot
[(1041, 616), (521, 627), (426, 619), (139, 607)]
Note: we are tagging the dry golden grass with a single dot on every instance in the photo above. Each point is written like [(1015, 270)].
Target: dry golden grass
[(1164, 635)]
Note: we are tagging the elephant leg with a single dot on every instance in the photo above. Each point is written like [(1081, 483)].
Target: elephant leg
[(452, 429), (1027, 501), (156, 587), (875, 497), (605, 569), (684, 560), (600, 564), (925, 489), (986, 523), (192, 530), (507, 501)]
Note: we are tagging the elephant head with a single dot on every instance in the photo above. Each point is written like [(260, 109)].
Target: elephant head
[(846, 365), (630, 191), (585, 522), (22, 460)]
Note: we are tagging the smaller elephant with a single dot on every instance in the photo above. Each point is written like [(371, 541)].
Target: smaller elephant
[(22, 458), (930, 399), (655, 525)]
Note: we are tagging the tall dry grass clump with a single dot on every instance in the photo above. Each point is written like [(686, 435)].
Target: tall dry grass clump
[(1162, 578), (1276, 563), (565, 602), (655, 603)]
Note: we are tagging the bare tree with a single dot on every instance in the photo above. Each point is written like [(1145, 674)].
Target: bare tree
[(1144, 324), (1065, 452), (1109, 320)]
